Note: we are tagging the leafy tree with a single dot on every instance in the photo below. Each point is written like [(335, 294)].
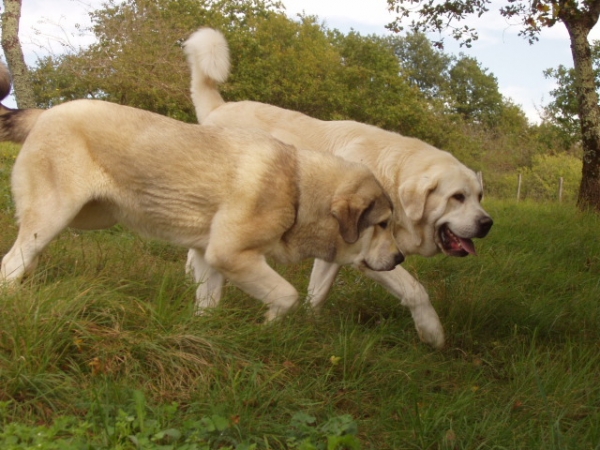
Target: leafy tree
[(425, 66), (563, 109), (554, 138), (60, 79), (474, 92), (578, 17), (299, 65), (458, 85), (137, 59), (374, 91), (291, 64), (512, 119)]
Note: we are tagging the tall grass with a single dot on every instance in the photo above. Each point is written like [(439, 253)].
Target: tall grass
[(100, 347)]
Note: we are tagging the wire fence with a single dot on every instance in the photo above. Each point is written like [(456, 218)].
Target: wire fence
[(528, 186)]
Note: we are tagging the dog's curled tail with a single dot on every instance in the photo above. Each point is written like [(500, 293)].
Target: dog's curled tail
[(15, 124), (208, 56)]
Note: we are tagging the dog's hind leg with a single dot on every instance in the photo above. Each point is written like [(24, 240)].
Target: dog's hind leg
[(210, 280), (42, 216), (33, 237)]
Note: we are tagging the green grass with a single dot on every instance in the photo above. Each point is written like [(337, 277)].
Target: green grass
[(100, 349)]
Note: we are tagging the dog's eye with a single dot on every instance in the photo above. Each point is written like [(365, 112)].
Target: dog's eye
[(459, 197), (383, 224)]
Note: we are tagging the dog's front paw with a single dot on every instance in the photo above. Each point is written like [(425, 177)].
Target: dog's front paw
[(280, 309), (199, 311), (203, 305), (275, 313), (429, 327)]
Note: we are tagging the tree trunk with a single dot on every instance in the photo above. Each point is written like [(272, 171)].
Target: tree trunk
[(14, 54), (589, 111)]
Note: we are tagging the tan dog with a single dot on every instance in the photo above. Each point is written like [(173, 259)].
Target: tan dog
[(436, 198), (232, 196)]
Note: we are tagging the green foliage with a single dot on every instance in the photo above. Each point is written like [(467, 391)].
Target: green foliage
[(337, 433), (66, 433), (425, 66), (563, 110), (474, 92), (138, 59), (326, 74), (541, 181), (299, 65), (371, 81), (285, 63), (139, 426)]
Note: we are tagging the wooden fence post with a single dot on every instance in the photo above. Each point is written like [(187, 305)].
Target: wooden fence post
[(519, 187), (480, 178), (560, 189)]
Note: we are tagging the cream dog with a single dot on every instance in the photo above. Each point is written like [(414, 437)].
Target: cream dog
[(232, 196), (436, 198)]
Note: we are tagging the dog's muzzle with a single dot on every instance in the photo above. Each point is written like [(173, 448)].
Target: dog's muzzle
[(455, 245), (398, 259)]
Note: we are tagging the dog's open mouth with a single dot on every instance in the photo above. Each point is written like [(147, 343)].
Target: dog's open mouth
[(454, 245)]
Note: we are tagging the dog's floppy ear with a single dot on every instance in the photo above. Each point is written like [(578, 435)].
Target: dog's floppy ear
[(413, 195), (348, 209)]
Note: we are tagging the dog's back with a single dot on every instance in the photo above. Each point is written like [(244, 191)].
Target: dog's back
[(208, 56), (178, 174)]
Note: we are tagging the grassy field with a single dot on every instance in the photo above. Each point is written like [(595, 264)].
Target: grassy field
[(100, 349)]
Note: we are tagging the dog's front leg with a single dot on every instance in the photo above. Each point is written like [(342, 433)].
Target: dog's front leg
[(250, 272), (321, 279), (413, 295), (210, 281)]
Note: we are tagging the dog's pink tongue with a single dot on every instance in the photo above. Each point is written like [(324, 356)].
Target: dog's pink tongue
[(468, 245)]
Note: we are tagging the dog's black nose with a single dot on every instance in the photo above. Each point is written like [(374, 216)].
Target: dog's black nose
[(398, 259), (485, 223)]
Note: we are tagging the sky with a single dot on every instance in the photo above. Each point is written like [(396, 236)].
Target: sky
[(55, 26)]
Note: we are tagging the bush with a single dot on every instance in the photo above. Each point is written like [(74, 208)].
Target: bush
[(541, 181)]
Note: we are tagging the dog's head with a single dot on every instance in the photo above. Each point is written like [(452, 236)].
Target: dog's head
[(442, 205), (365, 217)]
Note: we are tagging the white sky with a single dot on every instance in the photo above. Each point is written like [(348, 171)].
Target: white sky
[(50, 26)]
